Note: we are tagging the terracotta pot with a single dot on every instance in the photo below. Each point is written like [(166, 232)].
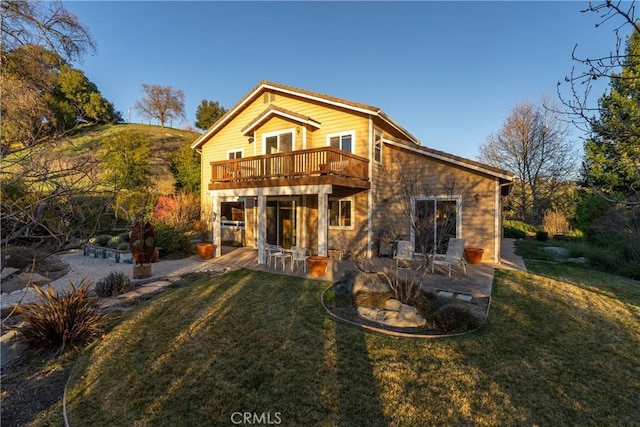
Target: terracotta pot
[(317, 265), (206, 250), (473, 255)]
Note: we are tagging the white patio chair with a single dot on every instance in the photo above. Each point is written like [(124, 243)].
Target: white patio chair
[(453, 256), (404, 252), (275, 252), (299, 254)]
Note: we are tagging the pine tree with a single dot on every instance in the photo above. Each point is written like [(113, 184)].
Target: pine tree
[(612, 154)]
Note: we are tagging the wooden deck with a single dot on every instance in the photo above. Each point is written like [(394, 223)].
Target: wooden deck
[(325, 165)]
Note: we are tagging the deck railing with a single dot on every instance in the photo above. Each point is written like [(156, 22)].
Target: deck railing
[(292, 164)]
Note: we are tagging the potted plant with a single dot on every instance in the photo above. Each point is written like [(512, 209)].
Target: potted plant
[(317, 265), (473, 255), (206, 248)]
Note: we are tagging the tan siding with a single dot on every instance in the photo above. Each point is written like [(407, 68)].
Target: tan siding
[(436, 178)]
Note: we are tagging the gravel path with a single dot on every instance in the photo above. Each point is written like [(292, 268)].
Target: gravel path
[(95, 269)]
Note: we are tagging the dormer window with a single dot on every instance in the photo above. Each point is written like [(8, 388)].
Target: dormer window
[(278, 142)]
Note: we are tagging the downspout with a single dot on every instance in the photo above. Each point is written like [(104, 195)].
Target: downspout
[(370, 194)]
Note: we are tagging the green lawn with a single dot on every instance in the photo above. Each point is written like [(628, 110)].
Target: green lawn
[(551, 353)]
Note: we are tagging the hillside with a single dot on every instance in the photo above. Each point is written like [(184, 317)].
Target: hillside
[(164, 142)]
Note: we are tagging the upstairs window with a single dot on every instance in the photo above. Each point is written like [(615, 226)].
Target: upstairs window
[(234, 154), (377, 147), (343, 141), (278, 142), (340, 213)]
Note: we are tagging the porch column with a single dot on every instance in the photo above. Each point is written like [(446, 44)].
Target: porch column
[(323, 229), (262, 227), (217, 237)]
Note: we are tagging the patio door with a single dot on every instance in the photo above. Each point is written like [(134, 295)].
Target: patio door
[(281, 223), (435, 221)]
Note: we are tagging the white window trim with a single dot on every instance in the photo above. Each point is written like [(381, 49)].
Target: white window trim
[(373, 151), (349, 132), (341, 227), (241, 150), (266, 135), (444, 198)]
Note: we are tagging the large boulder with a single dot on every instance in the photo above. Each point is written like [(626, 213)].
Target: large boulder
[(370, 283)]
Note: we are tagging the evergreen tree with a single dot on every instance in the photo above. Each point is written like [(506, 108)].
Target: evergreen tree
[(612, 154), (127, 160), (207, 113), (185, 166)]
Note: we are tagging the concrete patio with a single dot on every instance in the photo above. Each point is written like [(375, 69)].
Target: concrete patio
[(477, 282)]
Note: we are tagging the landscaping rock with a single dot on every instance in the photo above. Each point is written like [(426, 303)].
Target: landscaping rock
[(580, 260), (8, 271), (369, 283), (556, 251), (393, 304), (394, 314)]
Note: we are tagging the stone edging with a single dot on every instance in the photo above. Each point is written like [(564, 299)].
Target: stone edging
[(401, 334)]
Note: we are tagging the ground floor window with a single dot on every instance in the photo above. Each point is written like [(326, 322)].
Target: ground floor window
[(434, 221), (232, 213), (340, 213)]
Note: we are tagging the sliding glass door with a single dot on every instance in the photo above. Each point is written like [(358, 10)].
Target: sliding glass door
[(435, 221), (281, 223)]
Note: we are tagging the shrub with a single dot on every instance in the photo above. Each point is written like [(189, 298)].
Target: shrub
[(181, 212), (555, 222), (116, 283), (372, 300), (456, 319), (114, 242), (172, 241), (103, 239), (18, 256), (518, 229), (57, 321), (426, 304), (124, 237), (123, 246), (542, 236), (631, 269)]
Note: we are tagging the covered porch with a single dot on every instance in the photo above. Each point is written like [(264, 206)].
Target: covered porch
[(296, 215)]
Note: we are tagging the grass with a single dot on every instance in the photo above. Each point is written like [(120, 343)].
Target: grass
[(553, 352)]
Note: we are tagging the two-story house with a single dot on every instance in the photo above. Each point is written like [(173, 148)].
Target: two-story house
[(288, 166)]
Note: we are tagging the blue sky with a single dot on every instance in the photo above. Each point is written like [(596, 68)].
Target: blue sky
[(449, 72)]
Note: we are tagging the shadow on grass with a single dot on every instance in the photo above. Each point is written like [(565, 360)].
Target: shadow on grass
[(259, 343), (572, 357), (214, 351)]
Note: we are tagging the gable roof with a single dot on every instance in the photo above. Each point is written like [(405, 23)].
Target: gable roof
[(504, 175), (301, 93), (274, 110)]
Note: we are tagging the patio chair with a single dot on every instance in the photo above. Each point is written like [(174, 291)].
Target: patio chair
[(453, 256), (299, 254), (404, 252), (275, 252)]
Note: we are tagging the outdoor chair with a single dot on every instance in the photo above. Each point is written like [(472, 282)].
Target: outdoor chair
[(453, 257), (299, 254), (404, 252), (275, 252)]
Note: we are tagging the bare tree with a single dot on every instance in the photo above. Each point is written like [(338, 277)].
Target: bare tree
[(51, 197), (47, 24), (431, 219), (161, 102), (533, 143), (612, 122)]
